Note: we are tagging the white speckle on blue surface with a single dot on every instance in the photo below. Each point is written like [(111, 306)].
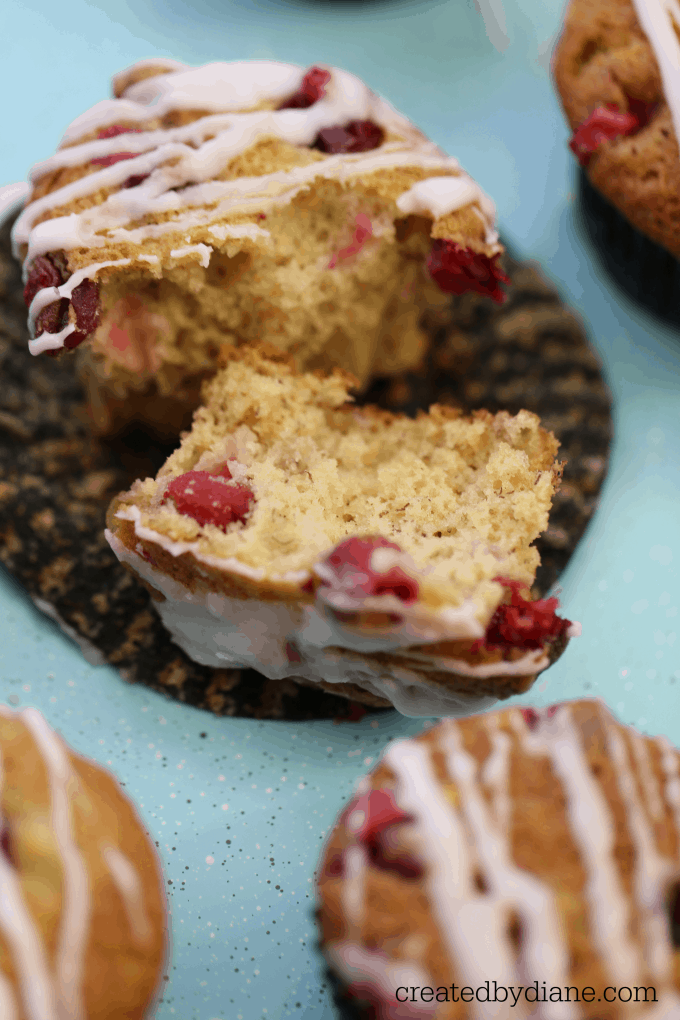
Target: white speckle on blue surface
[(662, 554), (639, 606)]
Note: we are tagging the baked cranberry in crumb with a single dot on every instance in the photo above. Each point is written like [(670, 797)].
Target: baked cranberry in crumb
[(522, 623), (604, 124), (458, 270), (85, 301), (6, 845), (334, 866), (117, 129), (357, 136), (53, 317), (351, 563), (43, 274), (376, 813), (115, 157), (312, 88), (532, 717), (133, 181), (207, 500)]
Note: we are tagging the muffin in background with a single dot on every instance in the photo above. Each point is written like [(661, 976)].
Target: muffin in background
[(534, 849), (83, 912), (615, 71)]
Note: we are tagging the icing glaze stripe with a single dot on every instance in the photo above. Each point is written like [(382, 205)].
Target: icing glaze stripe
[(76, 902), (592, 830), (174, 169), (531, 899), (657, 18), (25, 943), (131, 891), (471, 926), (650, 873)]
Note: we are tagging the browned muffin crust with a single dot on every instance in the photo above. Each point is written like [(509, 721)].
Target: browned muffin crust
[(604, 57)]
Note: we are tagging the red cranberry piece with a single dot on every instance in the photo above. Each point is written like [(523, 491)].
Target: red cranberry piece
[(357, 136), (334, 866), (43, 274), (403, 864), (356, 713), (351, 561), (604, 124), (117, 129), (292, 653), (673, 912), (380, 811), (115, 157), (531, 717), (85, 301), (522, 623), (206, 500), (381, 814), (458, 270), (6, 846), (53, 318), (312, 89), (133, 181)]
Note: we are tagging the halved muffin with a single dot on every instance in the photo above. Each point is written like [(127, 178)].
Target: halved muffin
[(387, 557)]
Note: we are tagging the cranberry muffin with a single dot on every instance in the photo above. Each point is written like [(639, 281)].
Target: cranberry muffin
[(83, 913), (523, 862), (239, 202), (387, 558)]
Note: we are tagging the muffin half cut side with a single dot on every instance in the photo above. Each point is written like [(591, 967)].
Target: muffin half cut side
[(302, 536)]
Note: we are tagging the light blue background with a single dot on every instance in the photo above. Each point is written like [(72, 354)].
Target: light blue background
[(242, 926)]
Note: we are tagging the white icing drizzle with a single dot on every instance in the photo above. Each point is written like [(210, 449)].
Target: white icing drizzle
[(592, 829), (55, 993), (653, 798), (439, 196), (471, 924), (200, 150), (128, 883), (543, 953), (25, 943), (671, 767), (76, 901), (8, 1005), (202, 250), (48, 295), (375, 969), (11, 196), (650, 875), (656, 19), (217, 630)]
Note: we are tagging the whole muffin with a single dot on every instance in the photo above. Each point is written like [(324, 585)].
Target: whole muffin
[(239, 202), (83, 913), (616, 71), (523, 862)]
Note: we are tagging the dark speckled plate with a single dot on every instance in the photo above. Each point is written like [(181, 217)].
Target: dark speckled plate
[(56, 481)]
